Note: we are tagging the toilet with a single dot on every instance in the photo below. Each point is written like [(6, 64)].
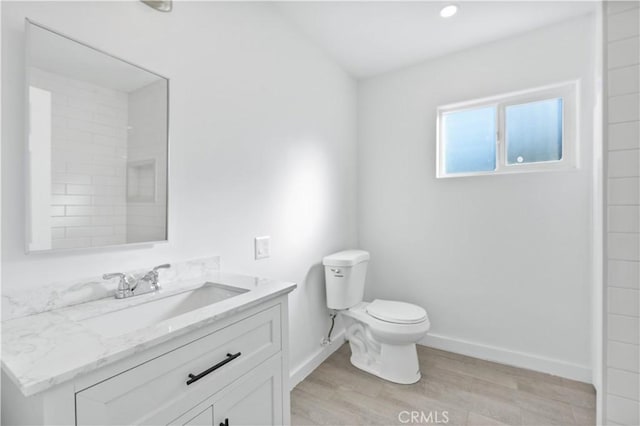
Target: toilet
[(382, 334)]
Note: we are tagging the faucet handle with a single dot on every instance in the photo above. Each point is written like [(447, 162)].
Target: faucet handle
[(153, 275), (163, 266), (114, 275), (124, 286)]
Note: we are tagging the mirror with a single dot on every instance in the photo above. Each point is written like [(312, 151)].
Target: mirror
[(97, 147)]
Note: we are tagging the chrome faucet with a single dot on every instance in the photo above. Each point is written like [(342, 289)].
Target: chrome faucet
[(151, 277), (129, 286), (124, 284)]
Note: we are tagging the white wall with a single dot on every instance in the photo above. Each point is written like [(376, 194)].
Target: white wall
[(263, 141), (502, 263), (39, 169), (622, 143)]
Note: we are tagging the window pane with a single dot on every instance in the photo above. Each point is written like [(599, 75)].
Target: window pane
[(534, 131), (469, 140)]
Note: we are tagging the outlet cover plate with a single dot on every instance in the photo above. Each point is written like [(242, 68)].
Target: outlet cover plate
[(262, 246)]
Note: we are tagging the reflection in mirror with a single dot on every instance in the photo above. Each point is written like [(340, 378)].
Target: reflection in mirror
[(97, 147)]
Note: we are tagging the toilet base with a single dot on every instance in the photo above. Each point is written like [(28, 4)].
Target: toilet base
[(402, 373), (395, 363)]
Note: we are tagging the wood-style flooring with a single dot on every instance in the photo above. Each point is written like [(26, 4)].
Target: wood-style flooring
[(471, 392)]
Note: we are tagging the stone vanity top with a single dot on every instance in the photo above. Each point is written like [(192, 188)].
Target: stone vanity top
[(42, 350)]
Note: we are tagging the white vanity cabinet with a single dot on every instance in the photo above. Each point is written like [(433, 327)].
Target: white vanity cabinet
[(232, 372)]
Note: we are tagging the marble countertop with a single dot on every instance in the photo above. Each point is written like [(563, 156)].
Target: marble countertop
[(42, 350)]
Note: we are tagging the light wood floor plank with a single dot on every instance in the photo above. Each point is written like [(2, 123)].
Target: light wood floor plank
[(471, 391)]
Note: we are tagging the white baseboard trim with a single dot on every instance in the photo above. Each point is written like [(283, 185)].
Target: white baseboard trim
[(300, 372), (509, 357)]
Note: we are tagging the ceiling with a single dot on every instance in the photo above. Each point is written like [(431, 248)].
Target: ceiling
[(58, 54), (369, 38)]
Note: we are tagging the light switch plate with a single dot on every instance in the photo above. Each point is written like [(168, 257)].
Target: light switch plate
[(262, 247)]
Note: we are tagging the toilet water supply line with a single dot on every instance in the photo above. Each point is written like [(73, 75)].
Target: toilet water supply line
[(327, 340)]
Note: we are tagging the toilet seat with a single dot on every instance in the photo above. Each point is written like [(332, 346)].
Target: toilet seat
[(396, 312)]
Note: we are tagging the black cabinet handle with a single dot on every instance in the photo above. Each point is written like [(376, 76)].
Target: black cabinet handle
[(226, 422), (196, 377)]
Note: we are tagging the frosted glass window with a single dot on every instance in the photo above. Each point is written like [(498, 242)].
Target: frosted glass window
[(534, 131), (470, 140), (525, 131)]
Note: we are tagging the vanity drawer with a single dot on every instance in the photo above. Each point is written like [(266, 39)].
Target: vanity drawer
[(158, 388)]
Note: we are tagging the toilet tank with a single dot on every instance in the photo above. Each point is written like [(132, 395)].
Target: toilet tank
[(345, 274)]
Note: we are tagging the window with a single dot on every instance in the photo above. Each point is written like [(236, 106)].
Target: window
[(470, 140), (533, 130)]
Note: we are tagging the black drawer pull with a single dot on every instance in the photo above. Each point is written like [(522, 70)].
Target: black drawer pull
[(226, 422), (196, 377)]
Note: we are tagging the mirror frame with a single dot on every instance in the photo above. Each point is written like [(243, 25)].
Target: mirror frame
[(27, 158)]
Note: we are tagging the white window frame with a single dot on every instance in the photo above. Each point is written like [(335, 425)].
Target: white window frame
[(568, 91)]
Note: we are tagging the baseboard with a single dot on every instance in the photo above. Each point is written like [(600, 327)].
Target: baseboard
[(299, 373), (506, 356)]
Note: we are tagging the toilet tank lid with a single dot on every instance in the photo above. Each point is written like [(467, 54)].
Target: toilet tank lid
[(346, 258)]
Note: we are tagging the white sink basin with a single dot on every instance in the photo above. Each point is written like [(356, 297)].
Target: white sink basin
[(150, 313)]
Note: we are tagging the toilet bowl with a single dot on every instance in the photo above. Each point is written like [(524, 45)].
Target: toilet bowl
[(385, 347), (382, 334)]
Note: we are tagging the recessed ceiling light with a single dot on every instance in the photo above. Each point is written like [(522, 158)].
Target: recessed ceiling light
[(449, 11)]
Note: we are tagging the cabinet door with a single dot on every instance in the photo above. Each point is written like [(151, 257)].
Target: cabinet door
[(256, 399), (205, 418)]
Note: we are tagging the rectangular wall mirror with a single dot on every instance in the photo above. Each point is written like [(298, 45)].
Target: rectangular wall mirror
[(97, 147)]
